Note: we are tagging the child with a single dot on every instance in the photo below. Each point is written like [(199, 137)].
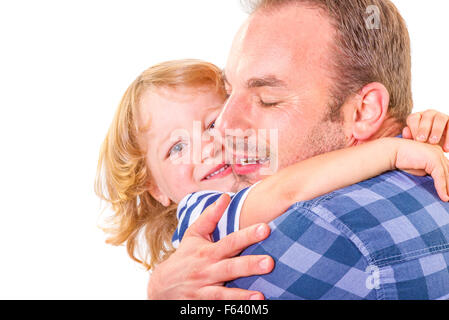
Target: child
[(142, 170)]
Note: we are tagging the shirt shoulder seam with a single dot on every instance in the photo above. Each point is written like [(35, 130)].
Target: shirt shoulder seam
[(343, 229)]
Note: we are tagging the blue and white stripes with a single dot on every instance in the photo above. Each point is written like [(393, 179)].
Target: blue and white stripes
[(191, 207)]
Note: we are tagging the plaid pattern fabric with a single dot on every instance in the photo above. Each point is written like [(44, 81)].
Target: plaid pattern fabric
[(384, 238)]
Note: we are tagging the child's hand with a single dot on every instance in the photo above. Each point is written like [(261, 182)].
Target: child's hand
[(429, 126), (421, 159)]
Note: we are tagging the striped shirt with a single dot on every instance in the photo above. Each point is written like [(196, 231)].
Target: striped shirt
[(191, 207)]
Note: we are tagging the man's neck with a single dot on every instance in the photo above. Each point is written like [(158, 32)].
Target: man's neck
[(390, 128)]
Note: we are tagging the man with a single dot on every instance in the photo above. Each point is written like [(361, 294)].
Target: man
[(327, 77)]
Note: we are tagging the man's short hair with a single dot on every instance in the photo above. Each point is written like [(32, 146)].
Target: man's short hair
[(372, 45)]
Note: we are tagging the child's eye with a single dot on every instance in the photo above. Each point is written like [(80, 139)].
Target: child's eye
[(177, 148), (211, 125)]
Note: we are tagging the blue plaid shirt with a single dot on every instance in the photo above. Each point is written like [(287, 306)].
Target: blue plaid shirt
[(384, 238)]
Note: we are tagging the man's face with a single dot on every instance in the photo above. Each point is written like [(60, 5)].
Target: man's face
[(277, 77)]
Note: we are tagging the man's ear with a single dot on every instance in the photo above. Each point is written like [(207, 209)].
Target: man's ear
[(370, 110), (157, 194)]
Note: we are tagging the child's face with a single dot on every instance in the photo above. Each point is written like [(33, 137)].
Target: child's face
[(170, 115)]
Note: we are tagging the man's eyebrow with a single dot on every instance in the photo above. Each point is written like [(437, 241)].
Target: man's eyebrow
[(268, 81)]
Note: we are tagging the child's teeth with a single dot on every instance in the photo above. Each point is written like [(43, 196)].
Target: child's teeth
[(217, 172)]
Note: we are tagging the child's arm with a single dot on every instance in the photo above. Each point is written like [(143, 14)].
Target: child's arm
[(325, 173)]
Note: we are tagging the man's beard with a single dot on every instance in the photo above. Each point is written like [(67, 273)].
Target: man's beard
[(326, 136), (241, 181)]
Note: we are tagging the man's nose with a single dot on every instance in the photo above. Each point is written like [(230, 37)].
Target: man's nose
[(234, 118), (213, 150)]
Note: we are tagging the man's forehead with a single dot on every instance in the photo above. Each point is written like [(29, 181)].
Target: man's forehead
[(254, 68), (280, 39)]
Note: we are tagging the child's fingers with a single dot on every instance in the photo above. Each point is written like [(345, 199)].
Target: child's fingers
[(438, 128), (425, 126), (439, 177), (407, 133), (413, 124), (446, 177), (446, 173), (446, 141)]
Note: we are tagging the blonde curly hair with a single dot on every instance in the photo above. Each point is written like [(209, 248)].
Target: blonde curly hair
[(122, 175)]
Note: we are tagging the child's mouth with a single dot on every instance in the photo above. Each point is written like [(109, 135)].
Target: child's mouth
[(219, 172), (244, 166)]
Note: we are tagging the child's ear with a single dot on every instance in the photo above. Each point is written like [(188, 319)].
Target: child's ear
[(157, 194)]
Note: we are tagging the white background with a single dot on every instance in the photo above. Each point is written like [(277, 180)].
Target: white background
[(63, 68)]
